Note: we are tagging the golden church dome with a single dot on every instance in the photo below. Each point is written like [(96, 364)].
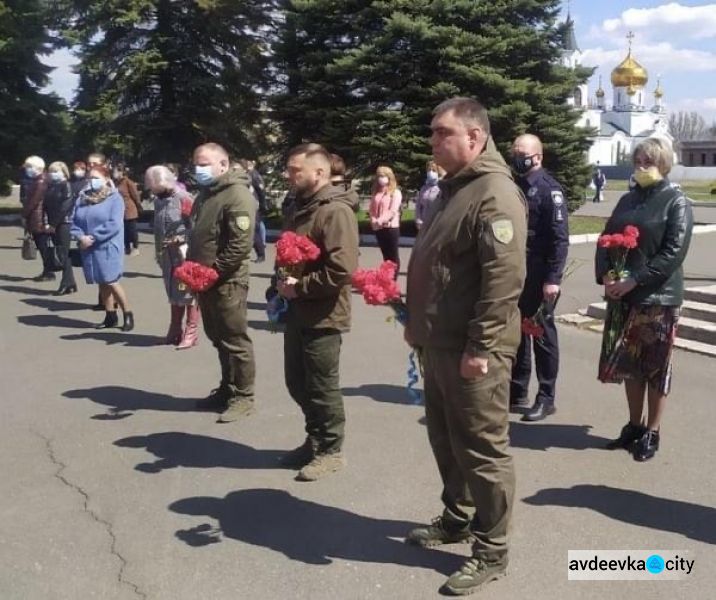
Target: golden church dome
[(600, 91), (629, 73), (658, 92)]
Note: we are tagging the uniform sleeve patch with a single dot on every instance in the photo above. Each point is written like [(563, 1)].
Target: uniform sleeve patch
[(557, 198), (243, 222), (503, 230)]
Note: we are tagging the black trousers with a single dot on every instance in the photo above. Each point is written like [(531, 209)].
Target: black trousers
[(388, 241), (131, 237), (41, 241), (61, 239), (546, 348)]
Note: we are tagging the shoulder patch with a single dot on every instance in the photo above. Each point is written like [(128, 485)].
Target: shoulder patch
[(243, 222), (532, 192), (557, 198), (502, 230)]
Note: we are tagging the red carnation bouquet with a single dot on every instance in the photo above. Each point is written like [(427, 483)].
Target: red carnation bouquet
[(197, 277), (293, 250), (618, 246), (379, 288)]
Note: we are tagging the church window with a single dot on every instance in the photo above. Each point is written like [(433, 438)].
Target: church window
[(714, 159), (703, 158), (691, 159), (578, 97)]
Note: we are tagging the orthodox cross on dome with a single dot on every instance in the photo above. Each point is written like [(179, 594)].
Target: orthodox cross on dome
[(630, 37)]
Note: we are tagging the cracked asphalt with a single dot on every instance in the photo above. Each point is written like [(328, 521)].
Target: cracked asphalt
[(115, 487)]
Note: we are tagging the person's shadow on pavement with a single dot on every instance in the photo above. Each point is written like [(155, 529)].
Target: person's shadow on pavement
[(52, 321), (305, 531), (176, 449), (381, 392), (695, 521), (124, 401), (540, 436), (116, 338)]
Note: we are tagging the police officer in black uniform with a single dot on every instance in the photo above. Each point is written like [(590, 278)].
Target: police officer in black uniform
[(547, 245)]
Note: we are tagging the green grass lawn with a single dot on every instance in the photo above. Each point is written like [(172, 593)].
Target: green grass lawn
[(579, 224), (696, 190)]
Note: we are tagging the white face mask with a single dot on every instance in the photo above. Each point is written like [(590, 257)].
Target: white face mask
[(57, 176), (79, 173), (383, 181)]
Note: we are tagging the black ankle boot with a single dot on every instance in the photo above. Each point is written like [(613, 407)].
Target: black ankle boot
[(110, 320), (128, 321), (647, 446), (630, 434)]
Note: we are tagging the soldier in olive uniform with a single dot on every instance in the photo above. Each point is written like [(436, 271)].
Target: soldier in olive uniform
[(319, 309), (464, 280), (221, 237)]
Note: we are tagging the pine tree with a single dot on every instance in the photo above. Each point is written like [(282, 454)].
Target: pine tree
[(33, 122), (158, 77), (403, 57)]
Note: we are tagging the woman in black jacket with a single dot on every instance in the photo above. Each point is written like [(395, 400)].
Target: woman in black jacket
[(646, 297), (58, 206)]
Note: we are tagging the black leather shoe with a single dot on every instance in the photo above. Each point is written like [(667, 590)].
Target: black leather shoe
[(628, 436), (110, 320), (647, 446), (128, 324), (538, 412), (64, 291)]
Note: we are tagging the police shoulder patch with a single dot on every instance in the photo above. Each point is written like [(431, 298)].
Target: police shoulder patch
[(503, 231), (557, 198)]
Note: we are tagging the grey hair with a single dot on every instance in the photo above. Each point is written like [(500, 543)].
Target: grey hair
[(160, 176), (59, 166), (35, 162), (658, 151)]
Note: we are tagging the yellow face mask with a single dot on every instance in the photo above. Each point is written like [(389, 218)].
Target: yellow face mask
[(647, 177)]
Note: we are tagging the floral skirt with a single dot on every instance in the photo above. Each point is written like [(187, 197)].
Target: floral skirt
[(643, 346)]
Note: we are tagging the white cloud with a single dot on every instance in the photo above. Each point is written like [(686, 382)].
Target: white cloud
[(695, 22), (663, 56), (706, 107)]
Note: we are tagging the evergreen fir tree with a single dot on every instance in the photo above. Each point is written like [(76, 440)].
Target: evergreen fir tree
[(400, 58), (33, 122), (158, 77)]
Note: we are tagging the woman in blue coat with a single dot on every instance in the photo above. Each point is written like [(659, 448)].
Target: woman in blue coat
[(98, 227)]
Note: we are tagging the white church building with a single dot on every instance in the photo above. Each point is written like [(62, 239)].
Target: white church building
[(633, 115)]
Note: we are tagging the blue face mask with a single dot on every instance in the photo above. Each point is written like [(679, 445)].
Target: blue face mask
[(96, 184), (30, 172), (203, 175), (432, 177), (55, 176)]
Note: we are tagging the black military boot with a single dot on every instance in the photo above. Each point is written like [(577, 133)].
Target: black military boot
[(647, 446), (630, 433), (110, 320)]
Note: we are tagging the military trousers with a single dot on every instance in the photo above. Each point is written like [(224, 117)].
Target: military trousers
[(468, 428), (546, 348), (223, 310), (311, 367)]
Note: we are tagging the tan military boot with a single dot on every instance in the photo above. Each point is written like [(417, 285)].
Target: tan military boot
[(322, 464), (236, 410), (473, 574), (440, 531)]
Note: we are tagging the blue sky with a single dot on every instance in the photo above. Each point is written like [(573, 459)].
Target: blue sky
[(676, 40)]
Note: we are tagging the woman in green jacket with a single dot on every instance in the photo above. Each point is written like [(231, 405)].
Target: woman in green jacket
[(648, 294)]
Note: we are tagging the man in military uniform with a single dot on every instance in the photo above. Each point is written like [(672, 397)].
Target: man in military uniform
[(319, 310), (221, 237), (464, 279), (547, 245)]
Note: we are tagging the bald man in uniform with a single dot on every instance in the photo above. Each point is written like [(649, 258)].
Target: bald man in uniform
[(547, 246), (221, 237)]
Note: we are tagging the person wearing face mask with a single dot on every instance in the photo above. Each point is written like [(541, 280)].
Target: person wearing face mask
[(132, 208), (32, 194), (384, 212), (98, 227), (650, 296), (547, 246), (223, 219), (78, 179), (58, 205), (428, 193), (172, 207)]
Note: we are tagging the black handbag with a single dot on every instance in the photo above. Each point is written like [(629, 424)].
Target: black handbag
[(29, 250), (75, 257)]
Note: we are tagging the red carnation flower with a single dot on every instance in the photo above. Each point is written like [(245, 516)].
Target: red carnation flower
[(631, 231), (617, 240), (197, 277), (605, 241), (293, 249)]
